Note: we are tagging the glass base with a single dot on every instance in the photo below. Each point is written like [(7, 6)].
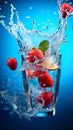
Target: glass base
[(46, 114)]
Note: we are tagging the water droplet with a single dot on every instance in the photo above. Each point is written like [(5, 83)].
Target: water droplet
[(48, 20), (27, 17), (2, 16), (30, 7), (33, 21), (44, 85), (51, 24), (55, 13), (5, 2), (14, 106), (70, 3)]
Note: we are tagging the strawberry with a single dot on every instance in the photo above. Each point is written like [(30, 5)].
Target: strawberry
[(66, 9), (64, 14), (33, 73), (45, 98), (12, 63), (35, 53), (45, 80)]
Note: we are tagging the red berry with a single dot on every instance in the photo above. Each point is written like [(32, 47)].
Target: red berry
[(12, 63), (66, 9), (33, 73), (45, 98), (45, 80), (35, 53), (64, 14)]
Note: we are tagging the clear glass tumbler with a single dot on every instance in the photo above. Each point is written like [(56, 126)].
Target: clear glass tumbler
[(32, 90)]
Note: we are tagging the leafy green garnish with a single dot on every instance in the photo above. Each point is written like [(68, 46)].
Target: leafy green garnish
[(44, 45)]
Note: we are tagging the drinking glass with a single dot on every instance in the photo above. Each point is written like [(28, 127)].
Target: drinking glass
[(32, 89)]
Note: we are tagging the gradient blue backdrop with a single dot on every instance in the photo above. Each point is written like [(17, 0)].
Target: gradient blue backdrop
[(63, 120)]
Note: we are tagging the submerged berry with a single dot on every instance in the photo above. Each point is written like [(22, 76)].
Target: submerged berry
[(45, 80), (45, 98), (35, 53), (33, 73)]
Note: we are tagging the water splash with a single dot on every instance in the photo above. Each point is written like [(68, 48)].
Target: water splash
[(24, 36)]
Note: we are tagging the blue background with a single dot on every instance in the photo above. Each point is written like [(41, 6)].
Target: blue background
[(8, 47)]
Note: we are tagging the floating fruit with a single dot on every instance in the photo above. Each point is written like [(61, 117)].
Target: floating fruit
[(66, 10), (45, 98), (33, 73), (45, 80), (49, 66), (35, 53), (12, 63)]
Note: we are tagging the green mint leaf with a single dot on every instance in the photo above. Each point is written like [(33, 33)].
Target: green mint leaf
[(44, 45)]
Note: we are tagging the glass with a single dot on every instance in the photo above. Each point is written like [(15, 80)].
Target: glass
[(32, 89)]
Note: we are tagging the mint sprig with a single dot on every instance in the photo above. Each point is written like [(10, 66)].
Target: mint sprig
[(44, 45)]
